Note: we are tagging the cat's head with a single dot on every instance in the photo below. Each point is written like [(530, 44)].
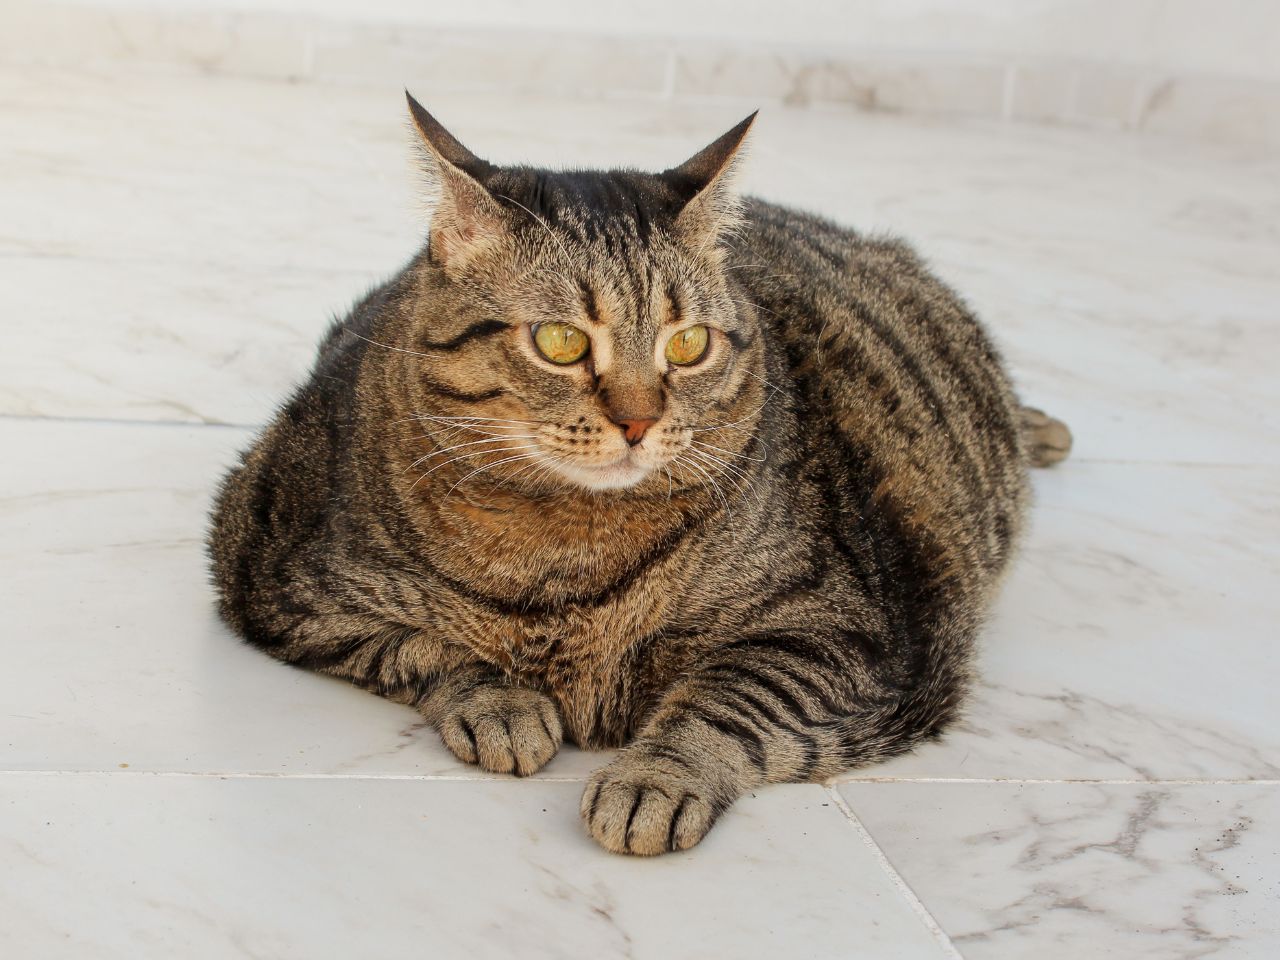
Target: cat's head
[(584, 327)]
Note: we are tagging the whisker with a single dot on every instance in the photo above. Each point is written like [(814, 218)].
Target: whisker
[(742, 480), (488, 466), (550, 233), (459, 446), (547, 471), (724, 426), (823, 330), (741, 456), (468, 456), (485, 430), (469, 419), (755, 306), (386, 346), (723, 465), (710, 479), (537, 466), (761, 379)]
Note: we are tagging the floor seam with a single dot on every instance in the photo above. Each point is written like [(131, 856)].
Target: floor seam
[(499, 777), (247, 775), (903, 888), (129, 421), (1084, 781)]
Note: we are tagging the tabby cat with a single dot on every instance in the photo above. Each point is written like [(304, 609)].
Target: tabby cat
[(624, 458)]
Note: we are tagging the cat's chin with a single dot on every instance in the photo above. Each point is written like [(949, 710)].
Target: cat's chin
[(616, 476)]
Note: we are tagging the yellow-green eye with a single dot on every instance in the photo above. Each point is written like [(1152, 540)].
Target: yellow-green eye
[(688, 346), (561, 342)]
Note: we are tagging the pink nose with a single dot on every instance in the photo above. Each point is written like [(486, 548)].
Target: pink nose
[(634, 430)]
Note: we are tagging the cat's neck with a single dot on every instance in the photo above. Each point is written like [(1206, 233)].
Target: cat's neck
[(557, 546)]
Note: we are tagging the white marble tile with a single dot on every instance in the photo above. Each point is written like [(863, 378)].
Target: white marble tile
[(136, 866), (114, 655), (136, 339), (1070, 870), (123, 167), (1135, 637)]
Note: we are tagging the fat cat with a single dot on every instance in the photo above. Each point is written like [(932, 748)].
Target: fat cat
[(630, 460)]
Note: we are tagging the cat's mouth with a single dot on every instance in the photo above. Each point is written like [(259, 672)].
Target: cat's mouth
[(626, 471)]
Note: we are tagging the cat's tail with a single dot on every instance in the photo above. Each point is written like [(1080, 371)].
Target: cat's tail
[(1046, 440)]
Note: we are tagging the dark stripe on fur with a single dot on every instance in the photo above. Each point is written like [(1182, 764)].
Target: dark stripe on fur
[(477, 331)]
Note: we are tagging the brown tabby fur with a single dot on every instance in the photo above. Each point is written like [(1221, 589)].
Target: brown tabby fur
[(793, 587)]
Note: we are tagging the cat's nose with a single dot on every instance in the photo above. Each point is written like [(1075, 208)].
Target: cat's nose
[(634, 428)]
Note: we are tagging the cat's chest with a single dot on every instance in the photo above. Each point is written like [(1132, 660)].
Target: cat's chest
[(596, 663), (579, 639)]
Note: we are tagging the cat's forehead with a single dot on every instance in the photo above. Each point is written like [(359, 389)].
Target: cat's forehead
[(592, 208)]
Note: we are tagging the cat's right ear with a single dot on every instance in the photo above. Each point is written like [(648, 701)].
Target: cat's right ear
[(466, 221)]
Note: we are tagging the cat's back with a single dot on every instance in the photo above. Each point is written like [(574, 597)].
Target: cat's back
[(889, 362)]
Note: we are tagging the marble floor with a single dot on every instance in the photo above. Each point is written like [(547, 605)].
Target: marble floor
[(171, 247)]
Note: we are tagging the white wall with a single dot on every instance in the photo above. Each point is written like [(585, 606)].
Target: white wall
[(1206, 69), (1231, 38)]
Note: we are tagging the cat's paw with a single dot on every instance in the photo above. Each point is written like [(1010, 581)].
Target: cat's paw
[(645, 804), (502, 729)]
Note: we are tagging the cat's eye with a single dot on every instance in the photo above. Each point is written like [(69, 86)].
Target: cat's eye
[(688, 346), (561, 342)]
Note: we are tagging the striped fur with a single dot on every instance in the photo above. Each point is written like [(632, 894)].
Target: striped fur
[(795, 588)]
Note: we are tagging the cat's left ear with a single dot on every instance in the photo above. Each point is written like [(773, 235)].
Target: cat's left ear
[(466, 220), (707, 178)]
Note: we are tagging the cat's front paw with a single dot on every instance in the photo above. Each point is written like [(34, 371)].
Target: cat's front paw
[(502, 729), (646, 803)]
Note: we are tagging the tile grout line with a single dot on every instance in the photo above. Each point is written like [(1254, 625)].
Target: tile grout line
[(129, 421), (499, 778), (1081, 781), (248, 775), (895, 877)]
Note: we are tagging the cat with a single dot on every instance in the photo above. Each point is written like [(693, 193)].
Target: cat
[(628, 459)]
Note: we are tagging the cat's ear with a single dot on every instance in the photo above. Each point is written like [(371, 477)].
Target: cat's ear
[(707, 179), (466, 221)]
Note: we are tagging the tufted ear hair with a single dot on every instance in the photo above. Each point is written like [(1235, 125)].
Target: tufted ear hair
[(466, 220), (713, 208)]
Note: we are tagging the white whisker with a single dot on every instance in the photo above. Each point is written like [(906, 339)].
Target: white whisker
[(743, 481), (473, 420), (559, 242), (488, 466), (387, 346), (710, 479), (459, 446), (740, 456), (754, 306), (468, 456)]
